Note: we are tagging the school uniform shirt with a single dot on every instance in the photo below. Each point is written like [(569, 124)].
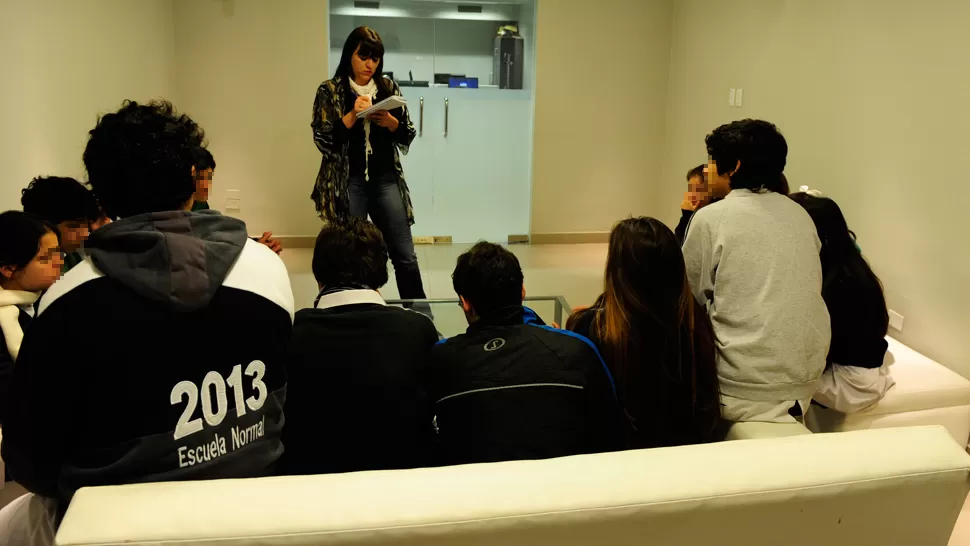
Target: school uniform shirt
[(753, 263), (512, 388), (357, 396), (184, 324)]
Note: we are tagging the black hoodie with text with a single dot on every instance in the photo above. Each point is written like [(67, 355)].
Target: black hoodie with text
[(178, 325)]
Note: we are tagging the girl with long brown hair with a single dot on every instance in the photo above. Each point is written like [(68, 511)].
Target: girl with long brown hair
[(656, 339)]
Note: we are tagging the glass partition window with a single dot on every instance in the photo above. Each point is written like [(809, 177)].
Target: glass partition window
[(429, 42)]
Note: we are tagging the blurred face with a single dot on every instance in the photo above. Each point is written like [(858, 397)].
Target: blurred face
[(73, 235), (719, 183), (40, 273), (203, 183), (363, 67)]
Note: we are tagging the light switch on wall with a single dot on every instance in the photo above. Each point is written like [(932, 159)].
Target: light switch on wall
[(731, 97), (737, 97), (233, 200), (895, 321)]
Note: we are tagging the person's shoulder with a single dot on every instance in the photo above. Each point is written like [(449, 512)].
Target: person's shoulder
[(79, 276), (260, 271), (392, 85), (563, 339)]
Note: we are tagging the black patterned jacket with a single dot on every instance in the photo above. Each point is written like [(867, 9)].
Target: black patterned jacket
[(330, 191)]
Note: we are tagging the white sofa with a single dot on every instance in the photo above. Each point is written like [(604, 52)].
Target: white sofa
[(926, 393), (876, 487)]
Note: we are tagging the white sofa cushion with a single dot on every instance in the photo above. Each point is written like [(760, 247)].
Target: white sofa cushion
[(874, 487), (753, 430), (921, 384)]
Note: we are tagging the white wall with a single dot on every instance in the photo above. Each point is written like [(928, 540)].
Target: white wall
[(596, 158), (871, 97), (247, 71), (62, 63)]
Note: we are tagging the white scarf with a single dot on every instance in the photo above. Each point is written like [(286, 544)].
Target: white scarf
[(10, 317), (369, 90)]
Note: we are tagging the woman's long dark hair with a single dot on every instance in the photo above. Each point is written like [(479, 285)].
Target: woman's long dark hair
[(371, 45), (658, 340), (848, 282)]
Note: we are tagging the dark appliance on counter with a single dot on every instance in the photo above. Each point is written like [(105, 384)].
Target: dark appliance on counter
[(509, 61)]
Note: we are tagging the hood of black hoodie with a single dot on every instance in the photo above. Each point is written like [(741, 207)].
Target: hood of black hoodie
[(176, 258)]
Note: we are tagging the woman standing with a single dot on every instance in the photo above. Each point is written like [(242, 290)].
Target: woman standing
[(360, 173), (656, 339)]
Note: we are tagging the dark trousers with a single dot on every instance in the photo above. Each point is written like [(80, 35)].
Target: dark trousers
[(381, 199)]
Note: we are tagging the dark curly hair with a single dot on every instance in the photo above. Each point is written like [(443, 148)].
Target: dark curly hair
[(140, 158), (758, 145), (350, 254), (58, 199)]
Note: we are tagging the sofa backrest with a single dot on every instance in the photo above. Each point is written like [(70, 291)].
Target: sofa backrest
[(889, 486)]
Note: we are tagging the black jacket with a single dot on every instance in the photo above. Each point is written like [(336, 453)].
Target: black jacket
[(512, 388), (182, 324), (6, 365), (357, 396)]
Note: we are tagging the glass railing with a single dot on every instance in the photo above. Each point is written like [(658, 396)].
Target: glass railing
[(450, 319)]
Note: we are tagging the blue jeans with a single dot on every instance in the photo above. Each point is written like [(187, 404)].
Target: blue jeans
[(381, 199)]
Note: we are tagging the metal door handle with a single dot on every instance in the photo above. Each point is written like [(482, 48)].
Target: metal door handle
[(446, 116), (421, 118)]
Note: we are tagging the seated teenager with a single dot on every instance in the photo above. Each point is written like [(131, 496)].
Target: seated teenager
[(655, 338), (67, 204), (202, 171), (358, 369), (182, 375), (510, 387), (697, 196), (752, 261), (855, 376), (30, 262)]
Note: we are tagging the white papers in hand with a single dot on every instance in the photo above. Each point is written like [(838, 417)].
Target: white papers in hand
[(390, 103)]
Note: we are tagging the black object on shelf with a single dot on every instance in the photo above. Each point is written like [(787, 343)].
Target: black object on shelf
[(411, 82), (508, 62), (445, 78)]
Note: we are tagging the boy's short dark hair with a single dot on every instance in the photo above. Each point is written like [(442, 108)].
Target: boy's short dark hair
[(350, 254), (140, 159), (489, 277), (204, 160), (696, 171), (758, 145), (58, 199)]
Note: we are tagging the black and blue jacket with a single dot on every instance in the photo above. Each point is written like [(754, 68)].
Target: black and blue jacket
[(513, 388)]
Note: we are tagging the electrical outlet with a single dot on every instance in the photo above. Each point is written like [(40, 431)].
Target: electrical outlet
[(424, 240), (895, 321)]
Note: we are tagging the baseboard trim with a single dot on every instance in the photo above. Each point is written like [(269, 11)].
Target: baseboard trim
[(577, 238)]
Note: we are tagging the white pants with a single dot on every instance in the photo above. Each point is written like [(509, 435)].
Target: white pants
[(30, 520), (849, 389)]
